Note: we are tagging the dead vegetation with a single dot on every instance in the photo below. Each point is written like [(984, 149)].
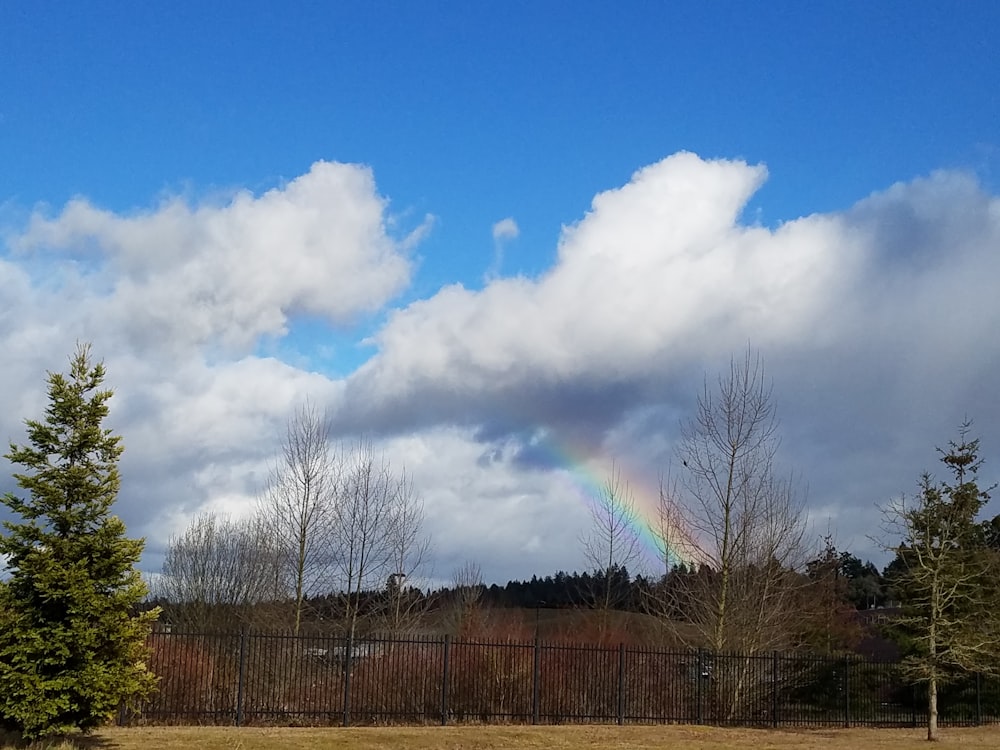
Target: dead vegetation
[(495, 737)]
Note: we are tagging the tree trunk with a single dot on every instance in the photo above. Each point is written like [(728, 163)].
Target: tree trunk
[(932, 710)]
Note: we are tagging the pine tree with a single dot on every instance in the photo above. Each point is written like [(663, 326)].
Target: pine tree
[(946, 577), (72, 643)]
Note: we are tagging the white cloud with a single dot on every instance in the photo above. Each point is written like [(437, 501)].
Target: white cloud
[(226, 274), (174, 299), (483, 507), (658, 273), (878, 323), (505, 229)]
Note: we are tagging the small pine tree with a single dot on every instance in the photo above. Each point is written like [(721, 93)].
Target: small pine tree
[(945, 578), (72, 644)]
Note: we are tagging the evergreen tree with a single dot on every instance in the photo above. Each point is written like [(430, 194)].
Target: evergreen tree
[(945, 577), (826, 615), (866, 587), (72, 644)]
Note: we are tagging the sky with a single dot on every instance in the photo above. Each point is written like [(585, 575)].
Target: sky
[(507, 242)]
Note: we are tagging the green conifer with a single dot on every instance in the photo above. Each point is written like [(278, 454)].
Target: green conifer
[(945, 577), (72, 641)]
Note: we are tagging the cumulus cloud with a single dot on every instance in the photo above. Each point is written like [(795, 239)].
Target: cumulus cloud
[(227, 274), (877, 322), (659, 273), (175, 299)]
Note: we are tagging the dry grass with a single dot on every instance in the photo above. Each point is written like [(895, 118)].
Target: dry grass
[(541, 738)]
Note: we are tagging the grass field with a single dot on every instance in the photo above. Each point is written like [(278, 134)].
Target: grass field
[(540, 738)]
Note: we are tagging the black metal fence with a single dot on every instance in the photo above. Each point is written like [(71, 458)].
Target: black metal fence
[(256, 678)]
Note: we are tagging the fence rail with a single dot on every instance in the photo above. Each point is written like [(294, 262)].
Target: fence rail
[(270, 679)]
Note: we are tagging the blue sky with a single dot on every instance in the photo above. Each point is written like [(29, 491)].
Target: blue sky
[(467, 114), (474, 111)]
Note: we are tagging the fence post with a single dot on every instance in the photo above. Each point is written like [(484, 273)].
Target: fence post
[(348, 659), (241, 677), (774, 689), (444, 680), (699, 671), (979, 699), (847, 691), (536, 682), (621, 684)]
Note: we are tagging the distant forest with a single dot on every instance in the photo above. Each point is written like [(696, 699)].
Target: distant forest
[(834, 585)]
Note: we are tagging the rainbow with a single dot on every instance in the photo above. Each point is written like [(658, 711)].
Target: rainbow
[(667, 541)]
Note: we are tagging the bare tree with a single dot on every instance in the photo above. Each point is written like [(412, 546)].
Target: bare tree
[(749, 524), (611, 547), (409, 551), (297, 505), (363, 529), (749, 521), (467, 617), (218, 573)]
